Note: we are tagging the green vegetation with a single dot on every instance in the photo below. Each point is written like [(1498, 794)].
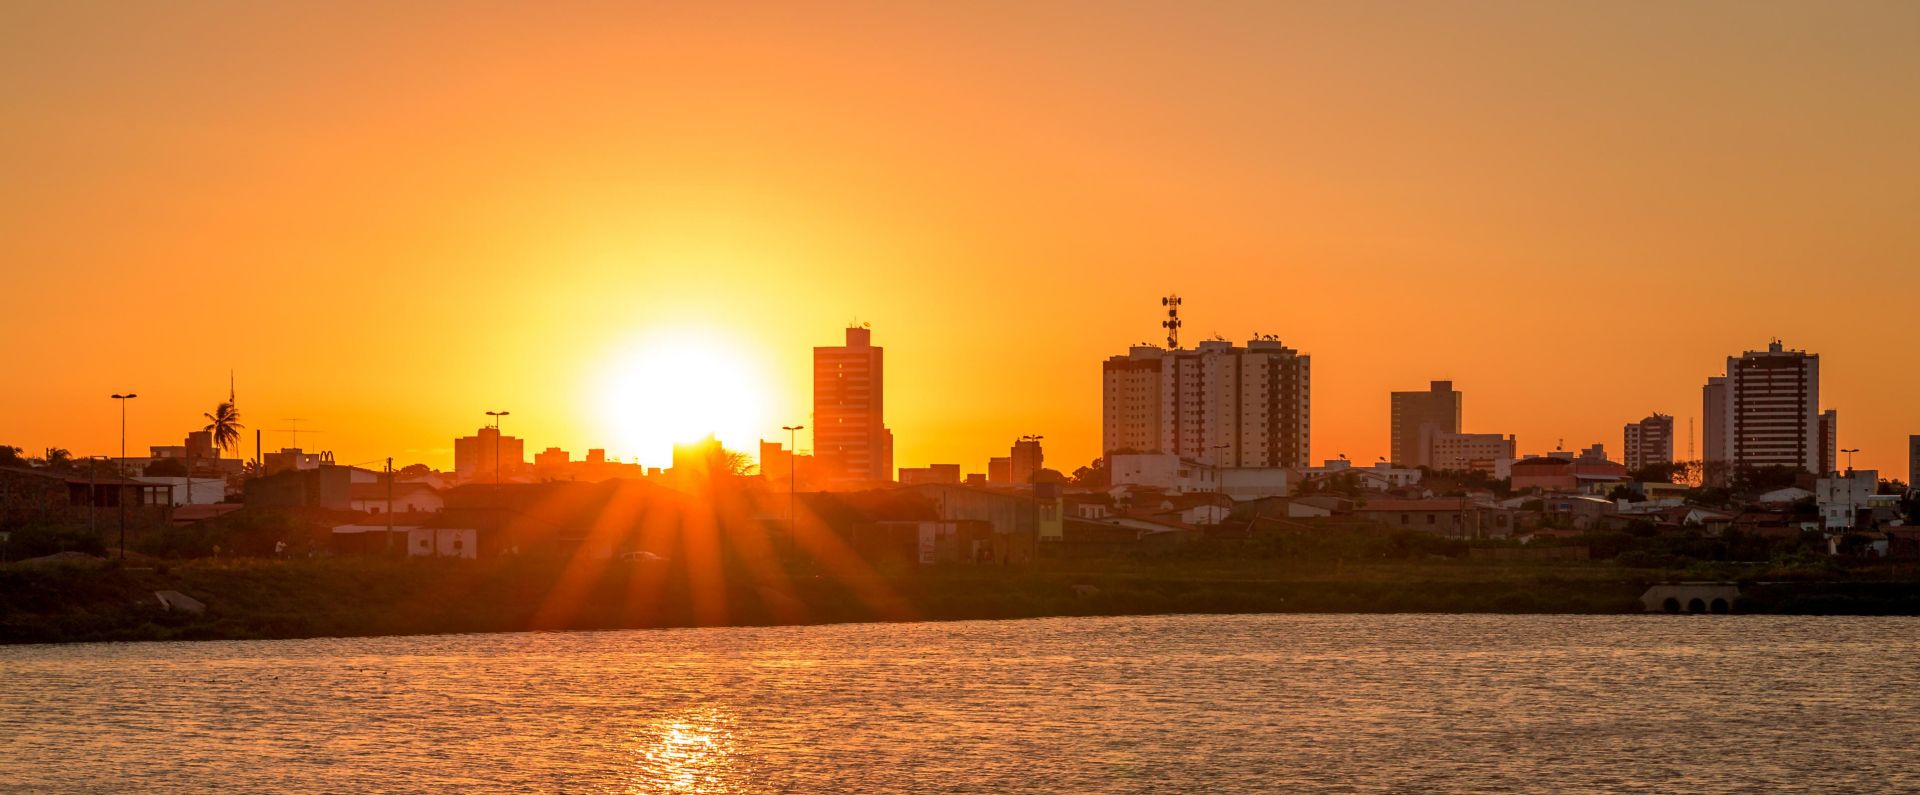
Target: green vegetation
[(255, 598)]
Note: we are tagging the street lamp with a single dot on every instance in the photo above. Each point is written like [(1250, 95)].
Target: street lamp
[(496, 415), (119, 494), (1850, 451), (793, 480)]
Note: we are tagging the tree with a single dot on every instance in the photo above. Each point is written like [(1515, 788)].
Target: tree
[(733, 462), (57, 458), (224, 423), (167, 468), (1092, 476), (10, 456), (414, 471), (1680, 472)]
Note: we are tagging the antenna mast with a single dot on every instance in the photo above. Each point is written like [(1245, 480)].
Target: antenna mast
[(1172, 323)]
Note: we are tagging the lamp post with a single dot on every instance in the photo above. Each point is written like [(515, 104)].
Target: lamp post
[(793, 480), (498, 499), (1850, 451), (496, 415), (119, 493)]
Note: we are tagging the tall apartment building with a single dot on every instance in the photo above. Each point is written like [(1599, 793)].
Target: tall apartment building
[(1913, 461), (1420, 416), (1829, 441), (474, 456), (852, 447), (1218, 404), (1649, 442), (1766, 412), (1713, 431), (1024, 460)]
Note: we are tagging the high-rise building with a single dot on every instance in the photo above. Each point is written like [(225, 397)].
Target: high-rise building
[(1218, 404), (474, 457), (1420, 416), (1913, 461), (1649, 442), (852, 447), (1829, 441), (1769, 410), (1713, 431), (1024, 460)]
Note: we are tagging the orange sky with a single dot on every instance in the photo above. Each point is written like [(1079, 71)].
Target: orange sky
[(389, 218)]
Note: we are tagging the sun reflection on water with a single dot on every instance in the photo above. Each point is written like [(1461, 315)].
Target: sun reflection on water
[(692, 752)]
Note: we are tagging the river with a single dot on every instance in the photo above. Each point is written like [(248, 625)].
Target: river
[(1293, 703)]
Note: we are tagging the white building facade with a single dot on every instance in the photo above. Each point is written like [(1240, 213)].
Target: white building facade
[(1220, 404), (1842, 496)]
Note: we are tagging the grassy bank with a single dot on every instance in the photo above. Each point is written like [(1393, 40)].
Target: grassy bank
[(94, 600)]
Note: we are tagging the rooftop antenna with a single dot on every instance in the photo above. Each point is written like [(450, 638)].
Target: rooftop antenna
[(295, 430), (1172, 323), (1690, 440)]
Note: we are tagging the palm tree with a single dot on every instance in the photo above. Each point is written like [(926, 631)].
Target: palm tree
[(57, 458), (224, 423)]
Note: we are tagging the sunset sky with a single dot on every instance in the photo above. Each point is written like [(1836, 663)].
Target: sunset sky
[(389, 223)]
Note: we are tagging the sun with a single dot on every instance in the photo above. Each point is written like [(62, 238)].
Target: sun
[(680, 387)]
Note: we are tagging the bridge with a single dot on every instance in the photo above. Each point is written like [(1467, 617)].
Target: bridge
[(1691, 597)]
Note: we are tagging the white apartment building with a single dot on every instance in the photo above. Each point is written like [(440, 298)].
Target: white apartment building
[(1219, 404)]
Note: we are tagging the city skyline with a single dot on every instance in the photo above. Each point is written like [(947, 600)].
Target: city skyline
[(390, 258), (969, 465)]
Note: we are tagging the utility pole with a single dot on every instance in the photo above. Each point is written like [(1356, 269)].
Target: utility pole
[(389, 504), (119, 492), (793, 481), (499, 499), (496, 415), (1033, 478)]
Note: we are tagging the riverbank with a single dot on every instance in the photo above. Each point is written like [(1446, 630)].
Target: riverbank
[(247, 599)]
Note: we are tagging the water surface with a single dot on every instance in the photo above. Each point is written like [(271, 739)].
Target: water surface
[(1295, 703)]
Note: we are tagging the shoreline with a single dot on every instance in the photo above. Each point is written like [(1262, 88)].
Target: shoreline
[(265, 599)]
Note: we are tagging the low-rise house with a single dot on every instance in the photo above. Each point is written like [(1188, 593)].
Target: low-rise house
[(930, 542), (44, 496), (443, 542), (1175, 475), (329, 487), (195, 514), (190, 490), (1580, 512), (1556, 473), (1452, 517), (369, 539), (1785, 496), (1386, 475), (1767, 523), (406, 498)]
